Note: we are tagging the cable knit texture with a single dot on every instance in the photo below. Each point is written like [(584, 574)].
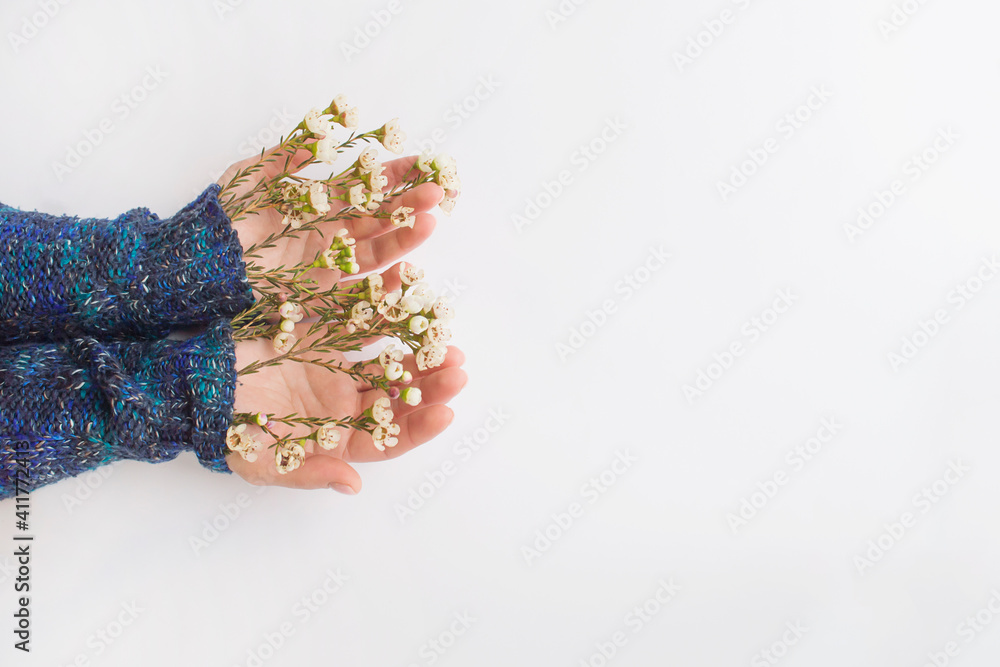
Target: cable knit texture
[(134, 277), (70, 407)]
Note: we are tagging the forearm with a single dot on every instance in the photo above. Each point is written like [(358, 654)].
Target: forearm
[(67, 408), (135, 276)]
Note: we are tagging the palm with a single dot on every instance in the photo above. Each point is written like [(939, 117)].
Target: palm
[(311, 391)]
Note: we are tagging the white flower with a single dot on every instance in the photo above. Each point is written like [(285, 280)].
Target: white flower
[(317, 124), (339, 104), (410, 274), (287, 326), (424, 162), (393, 141), (411, 304), (390, 308), (294, 218), (391, 126), (438, 333), (357, 196), (382, 436), (367, 160), (375, 287), (442, 310), (328, 436), (431, 356), (444, 161), (233, 436), (403, 217), (290, 310), (393, 371), (350, 118), (447, 205), (326, 150), (288, 458), (380, 410), (410, 396), (284, 342), (362, 312), (389, 355), (419, 324), (318, 198), (449, 181), (375, 199), (407, 377), (423, 292), (329, 259), (240, 443)]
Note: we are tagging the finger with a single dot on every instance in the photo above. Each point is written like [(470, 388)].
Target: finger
[(453, 358), (435, 389), (421, 199), (275, 161), (414, 430), (400, 169), (373, 254), (390, 278), (317, 472)]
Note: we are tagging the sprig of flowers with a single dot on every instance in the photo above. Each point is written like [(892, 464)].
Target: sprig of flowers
[(308, 325)]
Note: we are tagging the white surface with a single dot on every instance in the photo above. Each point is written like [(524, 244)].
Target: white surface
[(655, 185)]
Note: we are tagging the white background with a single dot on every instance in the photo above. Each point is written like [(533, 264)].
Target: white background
[(821, 553)]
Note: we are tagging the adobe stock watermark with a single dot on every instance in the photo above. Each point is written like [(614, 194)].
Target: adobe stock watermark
[(590, 492), (459, 112), (226, 7), (779, 648), (34, 23), (7, 569), (582, 158), (635, 620), (280, 123), (967, 630), (751, 332), (368, 32), (624, 289), (796, 458), (436, 647), (104, 637), (462, 452), (902, 13), (85, 486), (122, 107), (926, 330), (302, 611), (921, 503), (786, 128), (228, 514), (711, 31), (914, 168), (562, 12)]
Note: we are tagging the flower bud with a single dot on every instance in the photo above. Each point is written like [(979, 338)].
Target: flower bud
[(419, 324), (287, 326), (410, 395), (393, 371)]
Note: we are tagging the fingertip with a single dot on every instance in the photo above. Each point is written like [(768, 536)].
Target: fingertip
[(455, 356)]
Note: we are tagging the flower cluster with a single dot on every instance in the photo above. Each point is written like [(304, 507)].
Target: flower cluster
[(309, 325)]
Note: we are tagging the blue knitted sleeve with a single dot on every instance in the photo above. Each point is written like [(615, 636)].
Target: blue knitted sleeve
[(69, 407), (133, 277)]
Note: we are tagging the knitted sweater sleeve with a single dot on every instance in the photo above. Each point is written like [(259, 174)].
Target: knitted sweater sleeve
[(69, 407), (133, 277)]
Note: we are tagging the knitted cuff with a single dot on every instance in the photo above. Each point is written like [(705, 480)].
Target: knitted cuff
[(66, 408), (134, 277)]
